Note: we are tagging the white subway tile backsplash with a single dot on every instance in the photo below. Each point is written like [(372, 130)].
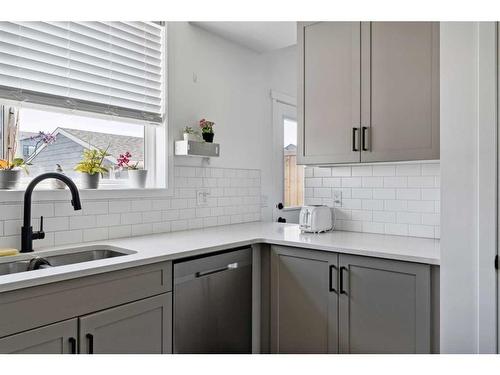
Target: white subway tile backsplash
[(372, 182), (384, 170), (362, 193), (322, 172), (400, 199), (341, 171), (351, 182), (395, 182), (408, 194), (362, 170), (421, 182), (372, 204), (234, 198), (95, 234)]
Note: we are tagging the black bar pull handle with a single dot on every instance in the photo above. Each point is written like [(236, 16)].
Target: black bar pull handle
[(341, 288), (330, 282), (72, 345), (90, 343), (354, 140), (364, 136)]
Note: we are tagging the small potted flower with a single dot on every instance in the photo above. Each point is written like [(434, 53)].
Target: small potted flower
[(91, 167), (207, 130), (10, 172), (137, 177), (190, 134)]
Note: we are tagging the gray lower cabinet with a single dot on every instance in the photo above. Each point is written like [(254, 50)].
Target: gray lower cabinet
[(123, 311), (325, 302), (384, 306), (304, 301), (142, 327), (58, 338)]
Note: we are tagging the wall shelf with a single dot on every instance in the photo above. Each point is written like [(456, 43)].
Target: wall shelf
[(197, 149)]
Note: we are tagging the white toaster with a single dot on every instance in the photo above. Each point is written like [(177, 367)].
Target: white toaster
[(316, 218)]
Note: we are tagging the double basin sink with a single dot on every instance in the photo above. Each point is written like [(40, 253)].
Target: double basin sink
[(34, 261)]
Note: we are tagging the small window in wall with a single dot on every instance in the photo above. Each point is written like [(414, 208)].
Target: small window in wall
[(51, 139), (293, 174)]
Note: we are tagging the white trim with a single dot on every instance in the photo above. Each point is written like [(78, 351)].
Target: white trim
[(283, 98), (487, 150), (280, 109)]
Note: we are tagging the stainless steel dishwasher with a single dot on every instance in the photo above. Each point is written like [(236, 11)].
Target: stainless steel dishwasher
[(213, 303)]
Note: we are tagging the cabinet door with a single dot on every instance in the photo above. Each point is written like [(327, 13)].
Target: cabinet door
[(400, 91), (328, 92), (142, 327), (58, 338), (304, 301), (384, 306)]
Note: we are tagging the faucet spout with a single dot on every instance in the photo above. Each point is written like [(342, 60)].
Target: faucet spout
[(27, 235)]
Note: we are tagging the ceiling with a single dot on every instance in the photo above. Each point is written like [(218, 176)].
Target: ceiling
[(258, 36)]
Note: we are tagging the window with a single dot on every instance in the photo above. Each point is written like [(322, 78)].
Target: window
[(293, 174), (73, 86)]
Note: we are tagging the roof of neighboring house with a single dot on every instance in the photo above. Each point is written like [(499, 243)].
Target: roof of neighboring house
[(118, 144)]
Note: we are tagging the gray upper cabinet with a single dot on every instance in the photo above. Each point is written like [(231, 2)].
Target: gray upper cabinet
[(304, 301), (384, 306), (142, 327), (368, 91), (329, 92), (400, 91), (58, 338)]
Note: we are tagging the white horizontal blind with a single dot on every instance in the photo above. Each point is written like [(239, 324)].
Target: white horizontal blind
[(113, 68)]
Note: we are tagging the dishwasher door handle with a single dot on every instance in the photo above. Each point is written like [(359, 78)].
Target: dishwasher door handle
[(230, 266)]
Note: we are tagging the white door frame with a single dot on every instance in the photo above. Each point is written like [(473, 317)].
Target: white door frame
[(283, 105)]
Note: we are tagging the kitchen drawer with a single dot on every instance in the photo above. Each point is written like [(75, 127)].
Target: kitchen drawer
[(45, 304)]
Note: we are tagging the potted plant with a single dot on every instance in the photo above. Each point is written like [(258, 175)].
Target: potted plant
[(137, 177), (207, 130), (91, 167), (11, 166), (10, 172), (190, 134)]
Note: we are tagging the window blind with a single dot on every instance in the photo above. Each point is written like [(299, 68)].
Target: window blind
[(113, 68)]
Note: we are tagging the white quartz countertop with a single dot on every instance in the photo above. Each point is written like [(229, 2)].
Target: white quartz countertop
[(177, 245)]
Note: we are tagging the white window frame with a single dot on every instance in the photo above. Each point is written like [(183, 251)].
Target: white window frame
[(156, 147)]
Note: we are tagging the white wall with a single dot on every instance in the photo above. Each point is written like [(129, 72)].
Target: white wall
[(468, 174), (228, 90), (232, 88)]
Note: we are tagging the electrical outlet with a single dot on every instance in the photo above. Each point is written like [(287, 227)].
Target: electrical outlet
[(201, 197), (337, 198)]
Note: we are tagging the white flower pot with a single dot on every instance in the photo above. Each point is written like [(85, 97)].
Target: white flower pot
[(90, 181), (137, 178), (9, 179), (191, 137)]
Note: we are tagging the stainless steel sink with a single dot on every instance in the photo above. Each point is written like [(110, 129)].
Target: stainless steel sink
[(59, 258)]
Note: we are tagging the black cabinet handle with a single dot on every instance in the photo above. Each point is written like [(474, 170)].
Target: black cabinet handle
[(341, 288), (364, 136), (331, 288), (354, 142), (90, 343), (72, 345)]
